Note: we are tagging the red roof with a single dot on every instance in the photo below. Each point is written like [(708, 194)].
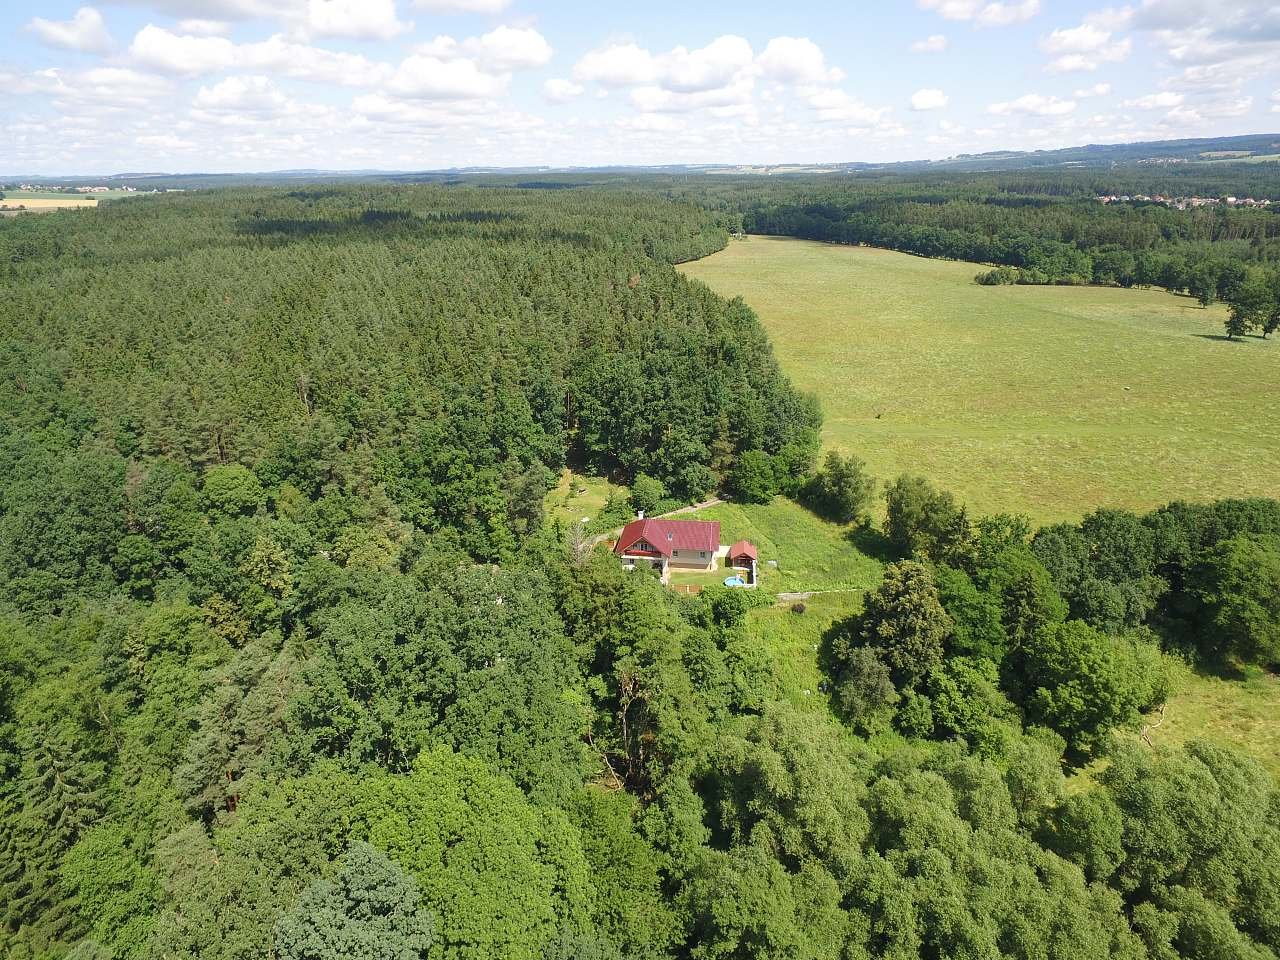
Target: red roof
[(665, 536), (743, 548)]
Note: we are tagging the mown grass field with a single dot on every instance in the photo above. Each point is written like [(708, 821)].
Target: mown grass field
[(811, 554), (1049, 401)]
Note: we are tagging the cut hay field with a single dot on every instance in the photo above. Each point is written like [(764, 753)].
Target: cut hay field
[(1049, 401), (45, 201)]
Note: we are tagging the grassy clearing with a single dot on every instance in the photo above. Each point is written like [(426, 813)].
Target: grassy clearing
[(577, 496), (1049, 401), (811, 553), (791, 640), (1243, 713)]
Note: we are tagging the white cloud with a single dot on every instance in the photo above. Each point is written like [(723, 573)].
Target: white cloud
[(159, 49), (253, 95), (719, 63), (559, 90), (1034, 104), (1156, 101), (1088, 46), (1097, 90), (463, 6), (165, 141), (618, 65), (355, 19), (204, 28), (1275, 102), (983, 13), (510, 48), (930, 98), (1210, 110), (797, 60), (933, 44), (836, 106), (422, 77), (86, 31), (103, 86), (653, 99)]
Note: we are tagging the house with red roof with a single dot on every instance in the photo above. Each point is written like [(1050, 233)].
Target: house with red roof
[(691, 546)]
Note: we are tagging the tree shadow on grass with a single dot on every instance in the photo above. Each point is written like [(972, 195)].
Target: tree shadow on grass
[(872, 542)]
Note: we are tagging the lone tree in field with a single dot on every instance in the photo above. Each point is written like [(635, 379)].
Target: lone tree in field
[(1251, 306)]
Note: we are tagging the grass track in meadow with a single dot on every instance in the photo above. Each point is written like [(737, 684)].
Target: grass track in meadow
[(1049, 401)]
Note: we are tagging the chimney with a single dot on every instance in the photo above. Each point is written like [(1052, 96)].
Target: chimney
[(639, 514)]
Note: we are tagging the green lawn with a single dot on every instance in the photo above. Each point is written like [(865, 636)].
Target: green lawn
[(578, 496), (1049, 401), (792, 639), (811, 554), (1242, 713)]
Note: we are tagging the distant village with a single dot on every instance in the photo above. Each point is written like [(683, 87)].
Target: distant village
[(1190, 203), (36, 187)]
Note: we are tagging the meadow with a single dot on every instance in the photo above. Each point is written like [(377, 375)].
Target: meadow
[(1049, 401)]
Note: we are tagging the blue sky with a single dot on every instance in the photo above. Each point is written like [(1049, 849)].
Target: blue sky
[(238, 85)]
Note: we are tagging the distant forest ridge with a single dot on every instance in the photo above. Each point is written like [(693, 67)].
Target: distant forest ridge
[(1247, 148)]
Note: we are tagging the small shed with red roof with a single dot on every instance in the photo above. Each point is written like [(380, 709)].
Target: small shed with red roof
[(743, 556)]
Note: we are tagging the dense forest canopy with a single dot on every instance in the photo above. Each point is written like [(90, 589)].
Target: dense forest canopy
[(292, 665)]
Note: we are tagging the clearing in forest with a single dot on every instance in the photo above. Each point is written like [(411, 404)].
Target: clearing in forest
[(1048, 401)]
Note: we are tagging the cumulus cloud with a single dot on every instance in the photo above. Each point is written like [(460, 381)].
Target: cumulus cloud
[(836, 106), (431, 78), (724, 61), (560, 90), (1156, 101), (1097, 90), (930, 98), (937, 43), (204, 28), (511, 48), (618, 65), (85, 31), (101, 86), (1034, 104), (463, 6), (355, 19), (242, 95), (159, 49), (982, 13), (1089, 45), (1200, 113), (797, 60)]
